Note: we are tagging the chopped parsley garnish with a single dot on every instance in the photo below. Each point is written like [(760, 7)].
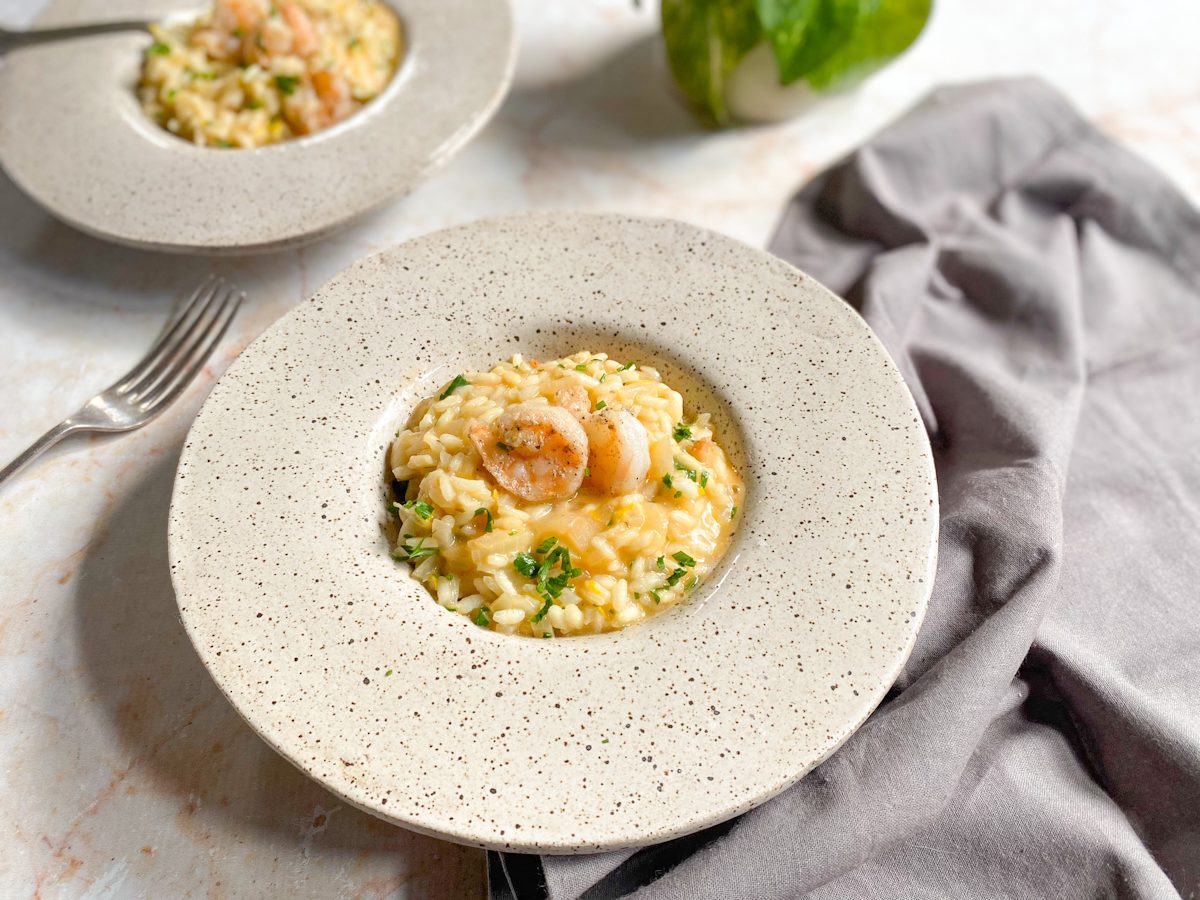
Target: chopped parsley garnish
[(549, 585), (159, 48), (732, 512), (488, 513), (481, 617), (690, 474), (582, 367), (657, 599), (682, 558), (527, 565), (626, 367), (287, 84), (703, 479), (541, 613), (667, 480), (420, 507), (674, 577), (605, 741), (660, 564), (503, 446), (681, 433), (454, 385), (414, 552), (387, 673), (600, 404), (587, 473), (603, 375)]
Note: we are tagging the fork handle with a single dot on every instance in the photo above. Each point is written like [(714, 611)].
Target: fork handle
[(37, 448), (13, 40)]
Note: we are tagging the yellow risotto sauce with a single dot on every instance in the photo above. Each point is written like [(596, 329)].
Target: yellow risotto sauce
[(557, 498), (255, 72)]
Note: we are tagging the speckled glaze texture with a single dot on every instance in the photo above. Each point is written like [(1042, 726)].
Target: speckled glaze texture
[(73, 135), (579, 744)]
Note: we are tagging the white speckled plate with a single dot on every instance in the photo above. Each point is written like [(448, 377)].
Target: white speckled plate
[(73, 136), (574, 744)]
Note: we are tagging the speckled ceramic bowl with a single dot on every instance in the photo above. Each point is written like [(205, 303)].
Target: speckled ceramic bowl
[(351, 670), (73, 135)]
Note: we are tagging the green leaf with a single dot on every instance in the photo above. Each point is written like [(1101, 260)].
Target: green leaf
[(705, 39), (287, 84), (527, 565), (458, 381), (805, 33), (884, 29)]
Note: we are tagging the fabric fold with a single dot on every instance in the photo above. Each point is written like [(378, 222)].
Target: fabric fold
[(1037, 286)]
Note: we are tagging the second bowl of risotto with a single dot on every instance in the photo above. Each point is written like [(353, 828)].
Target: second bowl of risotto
[(557, 533), (242, 126)]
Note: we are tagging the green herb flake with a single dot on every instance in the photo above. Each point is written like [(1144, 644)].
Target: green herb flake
[(656, 597), (541, 613), (481, 617), (453, 386), (732, 512), (582, 367), (666, 479), (674, 578), (254, 104), (603, 376), (681, 433), (600, 404), (287, 84), (387, 673), (488, 514), (605, 741), (660, 564), (690, 474), (500, 445), (544, 546), (683, 559), (414, 552), (587, 473), (422, 509), (626, 367), (352, 43), (703, 479), (527, 565), (159, 48)]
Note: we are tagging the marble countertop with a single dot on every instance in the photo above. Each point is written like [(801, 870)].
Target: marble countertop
[(124, 772)]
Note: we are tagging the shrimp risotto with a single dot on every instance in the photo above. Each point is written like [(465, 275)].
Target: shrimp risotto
[(558, 498), (255, 72)]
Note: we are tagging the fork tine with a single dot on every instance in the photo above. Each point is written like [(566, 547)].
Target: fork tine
[(194, 323), (198, 354), (146, 365)]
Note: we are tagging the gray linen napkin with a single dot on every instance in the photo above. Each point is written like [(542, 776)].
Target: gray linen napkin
[(1037, 285)]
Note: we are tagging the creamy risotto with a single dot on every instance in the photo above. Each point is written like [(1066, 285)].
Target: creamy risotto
[(254, 72), (563, 497)]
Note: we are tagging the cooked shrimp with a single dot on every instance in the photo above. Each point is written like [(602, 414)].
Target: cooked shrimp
[(618, 445), (618, 451), (536, 452), (334, 94), (304, 36)]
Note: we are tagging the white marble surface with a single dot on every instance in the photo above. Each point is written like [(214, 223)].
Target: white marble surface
[(123, 772)]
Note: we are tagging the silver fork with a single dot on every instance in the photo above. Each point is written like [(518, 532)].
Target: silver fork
[(11, 39), (186, 343)]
